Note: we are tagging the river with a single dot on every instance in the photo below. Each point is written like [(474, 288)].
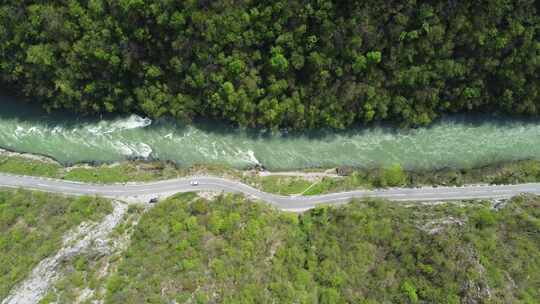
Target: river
[(454, 142)]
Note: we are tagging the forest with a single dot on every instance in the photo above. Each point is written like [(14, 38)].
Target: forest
[(231, 250), (275, 64)]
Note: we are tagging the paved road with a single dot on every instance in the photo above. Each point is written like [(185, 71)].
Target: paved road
[(143, 191)]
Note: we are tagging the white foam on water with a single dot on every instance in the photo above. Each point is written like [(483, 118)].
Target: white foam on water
[(448, 143), (215, 149), (93, 130), (131, 122), (133, 150), (202, 150), (248, 156), (143, 150), (57, 130), (123, 148), (19, 131), (252, 157)]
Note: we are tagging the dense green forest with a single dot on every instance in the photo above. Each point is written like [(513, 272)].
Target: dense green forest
[(32, 225), (280, 63), (230, 250)]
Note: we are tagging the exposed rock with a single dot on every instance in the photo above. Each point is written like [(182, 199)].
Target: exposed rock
[(344, 170), (45, 274), (438, 225), (209, 195), (30, 156)]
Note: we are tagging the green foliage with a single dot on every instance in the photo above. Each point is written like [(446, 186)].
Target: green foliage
[(391, 176), (31, 228), (24, 166), (230, 250), (40, 55), (527, 171), (223, 249), (504, 173), (278, 61), (410, 291), (284, 185), (122, 172), (394, 175), (336, 62), (360, 64), (483, 218), (374, 57)]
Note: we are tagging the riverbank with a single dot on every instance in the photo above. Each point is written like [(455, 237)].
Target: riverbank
[(310, 182), (456, 141)]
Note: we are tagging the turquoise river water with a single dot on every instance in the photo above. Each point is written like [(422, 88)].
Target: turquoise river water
[(454, 142)]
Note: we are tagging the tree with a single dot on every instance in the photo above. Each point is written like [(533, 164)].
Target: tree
[(278, 61), (394, 175), (96, 56), (410, 291)]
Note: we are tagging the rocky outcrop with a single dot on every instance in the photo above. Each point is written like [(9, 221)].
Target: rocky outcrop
[(85, 237)]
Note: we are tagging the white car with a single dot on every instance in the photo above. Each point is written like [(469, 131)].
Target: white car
[(194, 183)]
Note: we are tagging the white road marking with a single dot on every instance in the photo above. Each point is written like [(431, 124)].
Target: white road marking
[(168, 187)]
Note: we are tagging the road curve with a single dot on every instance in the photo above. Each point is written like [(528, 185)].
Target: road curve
[(292, 203)]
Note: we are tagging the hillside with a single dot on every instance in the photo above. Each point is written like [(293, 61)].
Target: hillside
[(297, 64), (33, 226), (229, 250)]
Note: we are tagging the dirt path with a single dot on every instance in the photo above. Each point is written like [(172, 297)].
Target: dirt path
[(46, 273)]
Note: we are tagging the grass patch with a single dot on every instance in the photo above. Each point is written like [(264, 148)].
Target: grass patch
[(25, 166), (287, 185), (117, 173), (129, 171), (211, 169), (32, 225), (324, 186), (283, 185), (121, 173), (346, 183)]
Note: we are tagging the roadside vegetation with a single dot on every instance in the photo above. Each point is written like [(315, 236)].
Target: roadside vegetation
[(351, 179), (26, 166), (527, 171), (32, 225), (230, 250), (127, 171)]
